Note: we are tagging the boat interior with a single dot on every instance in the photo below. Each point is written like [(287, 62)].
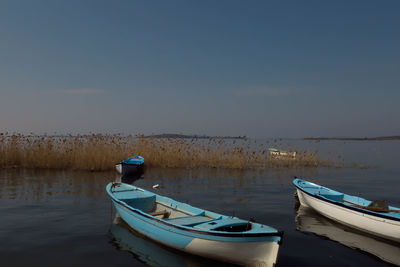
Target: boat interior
[(322, 191), (185, 215)]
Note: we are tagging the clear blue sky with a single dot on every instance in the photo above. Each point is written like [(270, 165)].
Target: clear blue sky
[(255, 68)]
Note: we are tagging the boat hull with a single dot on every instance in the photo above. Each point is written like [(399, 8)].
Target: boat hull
[(243, 253), (283, 154), (150, 252), (126, 169), (360, 220), (248, 251)]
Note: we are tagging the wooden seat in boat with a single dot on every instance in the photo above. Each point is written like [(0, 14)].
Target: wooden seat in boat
[(162, 213)]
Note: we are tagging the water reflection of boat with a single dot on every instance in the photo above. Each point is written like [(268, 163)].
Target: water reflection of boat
[(130, 179), (374, 217), (193, 230), (152, 253), (130, 167), (307, 220)]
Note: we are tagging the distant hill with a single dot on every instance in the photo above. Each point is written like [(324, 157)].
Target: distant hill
[(381, 138), (183, 136)]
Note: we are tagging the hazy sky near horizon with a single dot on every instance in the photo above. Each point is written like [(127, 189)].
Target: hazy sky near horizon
[(255, 68)]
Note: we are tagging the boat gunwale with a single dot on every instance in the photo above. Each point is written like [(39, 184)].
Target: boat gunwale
[(191, 229), (354, 208), (138, 163)]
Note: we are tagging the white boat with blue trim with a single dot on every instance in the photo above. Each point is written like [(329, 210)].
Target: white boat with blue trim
[(193, 230), (279, 153), (368, 216)]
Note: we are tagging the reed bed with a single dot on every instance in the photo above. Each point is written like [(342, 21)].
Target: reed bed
[(101, 152)]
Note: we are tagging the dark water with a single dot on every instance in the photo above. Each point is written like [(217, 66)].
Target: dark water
[(57, 218)]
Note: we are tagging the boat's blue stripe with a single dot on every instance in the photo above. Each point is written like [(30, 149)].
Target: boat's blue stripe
[(348, 207)]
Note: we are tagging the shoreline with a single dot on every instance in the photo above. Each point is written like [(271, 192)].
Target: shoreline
[(383, 138)]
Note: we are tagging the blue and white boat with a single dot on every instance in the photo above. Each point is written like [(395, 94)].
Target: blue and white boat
[(131, 166), (193, 230), (374, 217)]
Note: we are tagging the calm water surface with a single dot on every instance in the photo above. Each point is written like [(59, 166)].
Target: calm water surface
[(58, 218)]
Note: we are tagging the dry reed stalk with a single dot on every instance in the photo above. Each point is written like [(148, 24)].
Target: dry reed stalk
[(101, 152)]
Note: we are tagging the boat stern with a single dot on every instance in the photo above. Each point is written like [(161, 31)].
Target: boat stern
[(118, 167)]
